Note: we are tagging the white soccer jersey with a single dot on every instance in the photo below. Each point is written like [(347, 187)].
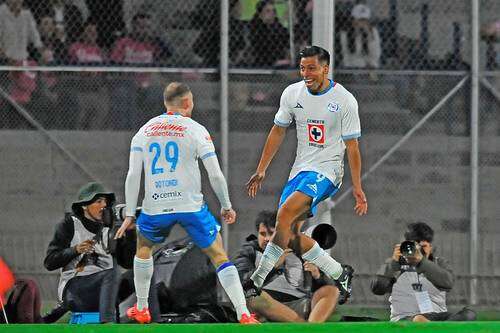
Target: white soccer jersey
[(169, 147), (323, 122)]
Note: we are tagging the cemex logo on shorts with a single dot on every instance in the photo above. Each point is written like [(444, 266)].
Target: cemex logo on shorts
[(316, 132)]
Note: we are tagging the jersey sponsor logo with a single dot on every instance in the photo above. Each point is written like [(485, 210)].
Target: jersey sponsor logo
[(316, 133), (167, 195), (313, 187), (166, 183), (165, 129), (333, 107), (298, 106)]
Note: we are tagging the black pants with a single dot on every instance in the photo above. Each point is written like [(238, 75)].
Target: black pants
[(94, 293)]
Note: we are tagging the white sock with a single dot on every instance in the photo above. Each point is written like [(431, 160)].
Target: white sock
[(143, 271), (230, 281), (320, 258), (271, 255)]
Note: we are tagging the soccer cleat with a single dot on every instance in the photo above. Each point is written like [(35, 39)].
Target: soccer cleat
[(248, 319), (142, 317), (344, 283), (250, 289)]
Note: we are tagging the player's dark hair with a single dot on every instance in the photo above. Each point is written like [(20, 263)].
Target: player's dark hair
[(419, 231), (175, 90), (267, 218), (311, 51)]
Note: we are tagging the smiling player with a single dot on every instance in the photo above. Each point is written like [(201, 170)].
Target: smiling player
[(327, 121)]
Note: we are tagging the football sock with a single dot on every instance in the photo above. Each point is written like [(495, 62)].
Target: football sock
[(320, 258), (143, 271), (230, 281), (271, 255)]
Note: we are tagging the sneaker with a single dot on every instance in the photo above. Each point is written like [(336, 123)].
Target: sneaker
[(142, 317), (250, 289), (248, 319), (344, 283)]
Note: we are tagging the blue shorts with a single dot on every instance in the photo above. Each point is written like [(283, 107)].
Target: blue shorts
[(201, 226), (312, 184)]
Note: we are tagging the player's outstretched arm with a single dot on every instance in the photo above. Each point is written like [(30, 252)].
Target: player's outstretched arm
[(219, 185), (354, 157), (132, 186), (273, 143)]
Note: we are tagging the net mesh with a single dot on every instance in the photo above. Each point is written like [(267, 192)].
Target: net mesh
[(105, 64)]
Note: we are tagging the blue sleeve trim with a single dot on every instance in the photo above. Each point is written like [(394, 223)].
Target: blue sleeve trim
[(207, 155), (352, 136), (280, 124), (224, 265), (136, 149)]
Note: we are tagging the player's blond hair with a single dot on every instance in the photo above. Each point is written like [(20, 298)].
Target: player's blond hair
[(174, 92)]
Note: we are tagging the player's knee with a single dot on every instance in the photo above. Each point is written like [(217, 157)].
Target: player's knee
[(328, 291), (420, 319), (285, 218)]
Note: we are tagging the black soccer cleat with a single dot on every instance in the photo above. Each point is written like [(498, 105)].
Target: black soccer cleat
[(250, 289), (344, 283)]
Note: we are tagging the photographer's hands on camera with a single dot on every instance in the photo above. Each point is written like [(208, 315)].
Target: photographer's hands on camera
[(412, 260), (86, 246)]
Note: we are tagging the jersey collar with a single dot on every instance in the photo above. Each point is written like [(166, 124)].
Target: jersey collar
[(330, 87)]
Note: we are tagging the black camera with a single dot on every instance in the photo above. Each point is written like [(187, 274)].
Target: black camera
[(408, 248), (120, 212), (116, 213)]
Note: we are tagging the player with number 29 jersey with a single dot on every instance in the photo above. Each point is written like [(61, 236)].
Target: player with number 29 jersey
[(169, 146)]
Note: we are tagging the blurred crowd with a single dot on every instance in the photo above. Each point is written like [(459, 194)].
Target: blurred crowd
[(263, 34)]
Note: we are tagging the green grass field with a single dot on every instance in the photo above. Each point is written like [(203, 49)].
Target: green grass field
[(488, 321), (348, 310), (437, 327)]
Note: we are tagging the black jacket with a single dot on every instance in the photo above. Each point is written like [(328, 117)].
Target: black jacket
[(59, 252), (245, 263)]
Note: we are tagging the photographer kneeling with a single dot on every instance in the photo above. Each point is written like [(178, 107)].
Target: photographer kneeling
[(84, 249), (417, 280)]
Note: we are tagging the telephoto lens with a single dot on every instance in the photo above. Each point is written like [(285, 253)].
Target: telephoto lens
[(408, 248)]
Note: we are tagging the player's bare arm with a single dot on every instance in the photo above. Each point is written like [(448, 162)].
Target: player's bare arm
[(273, 143), (354, 157), (128, 224)]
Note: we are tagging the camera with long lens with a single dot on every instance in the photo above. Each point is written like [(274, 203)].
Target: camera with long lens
[(407, 249), (120, 212), (116, 213)]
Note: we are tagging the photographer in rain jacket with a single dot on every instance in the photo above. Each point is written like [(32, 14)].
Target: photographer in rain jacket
[(84, 249)]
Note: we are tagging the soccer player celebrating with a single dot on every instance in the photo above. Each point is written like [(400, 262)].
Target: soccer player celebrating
[(327, 121), (169, 147)]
